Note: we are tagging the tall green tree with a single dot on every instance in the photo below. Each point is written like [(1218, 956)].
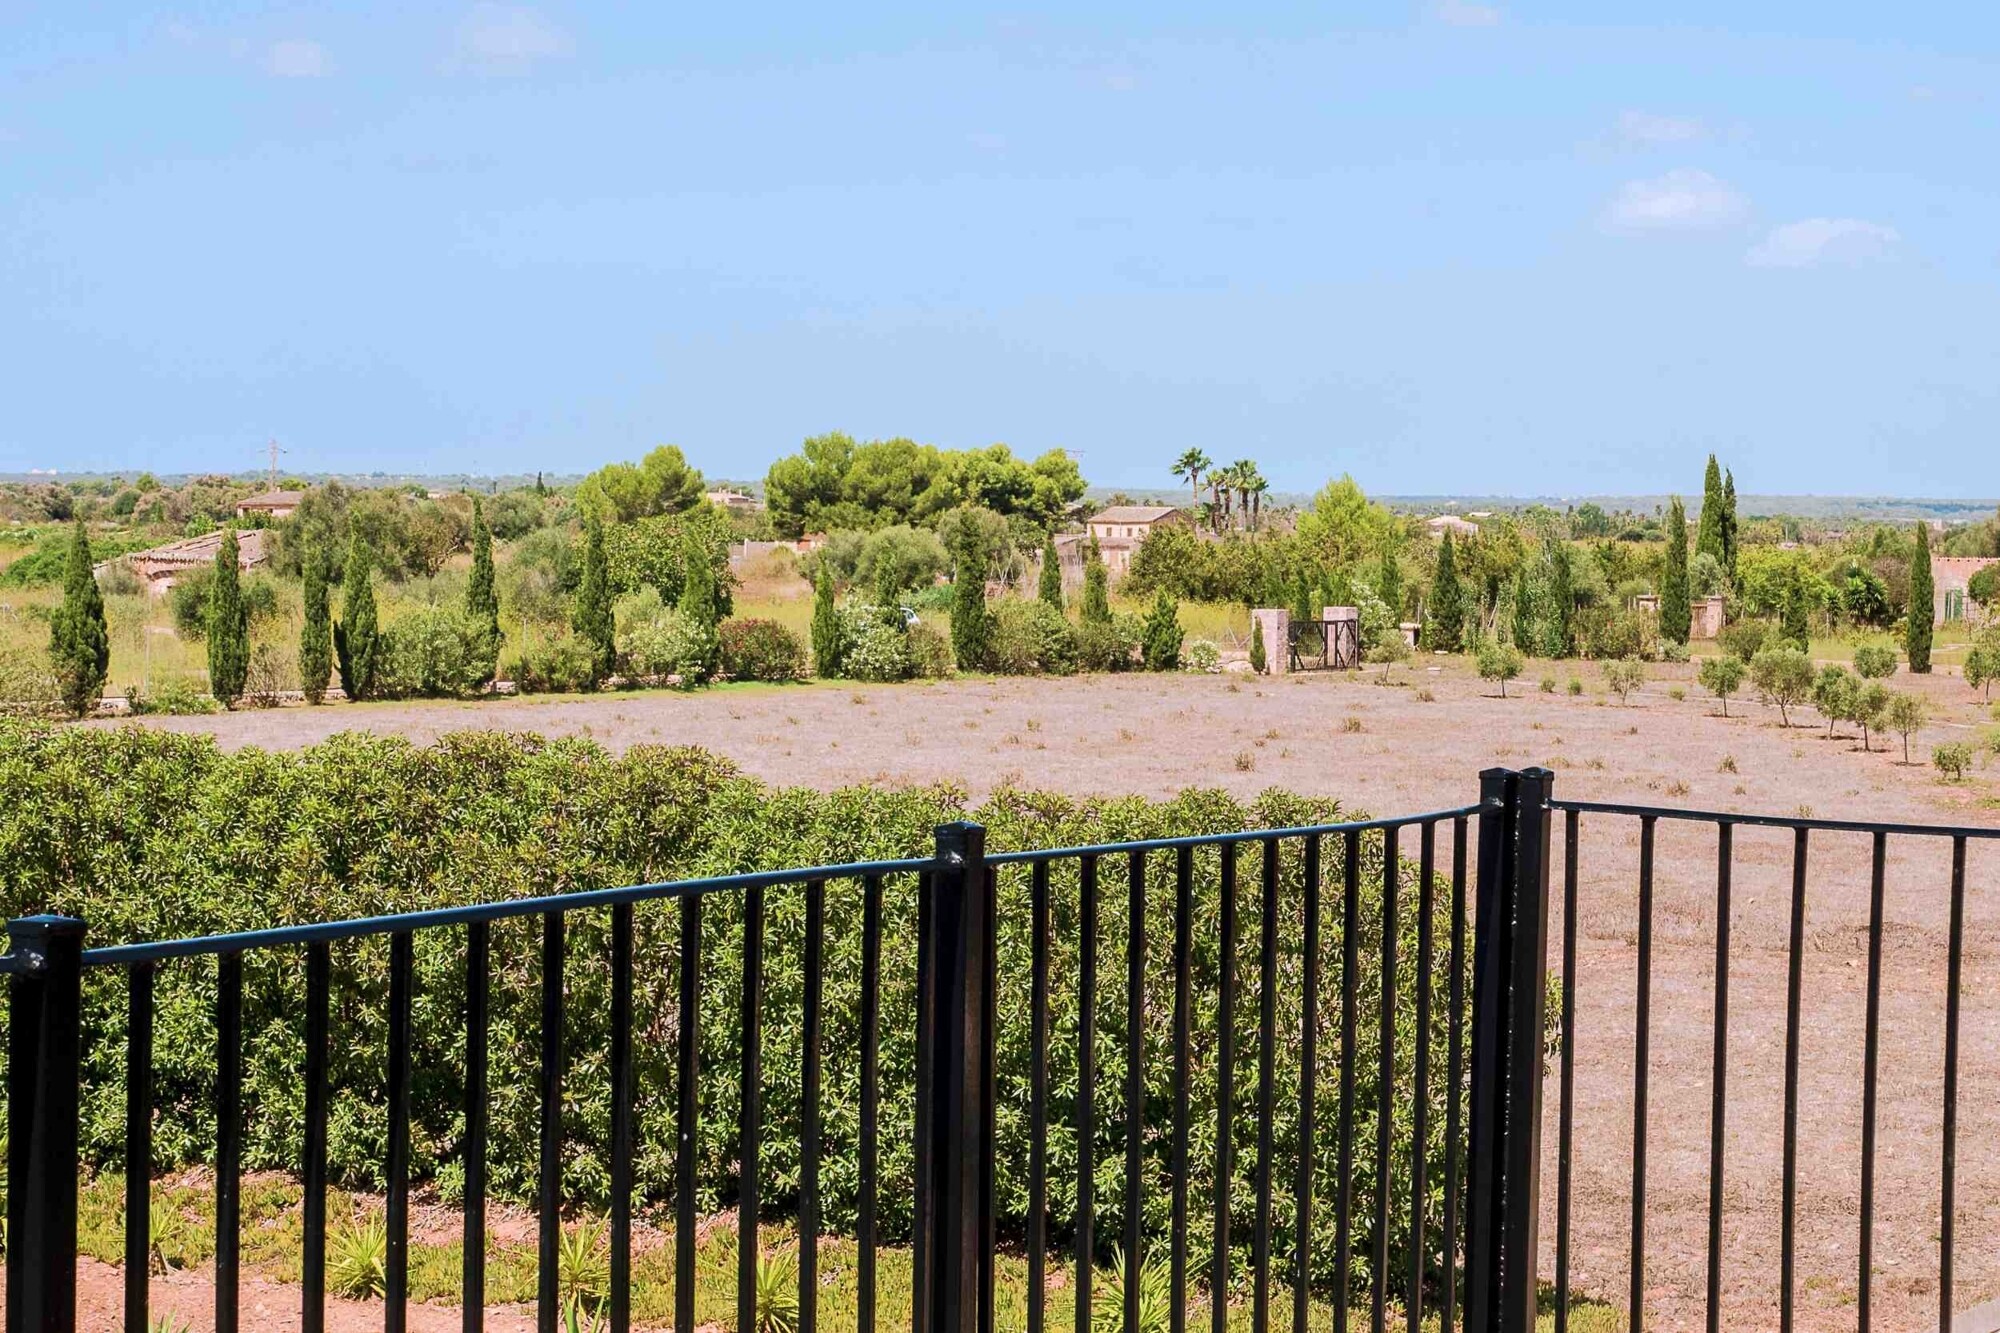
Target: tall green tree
[(482, 603), (1049, 586), (316, 634), (826, 641), (357, 639), (1729, 528), (698, 609), (1709, 538), (1526, 636), (1160, 639), (590, 614), (1923, 605), (1446, 630), (1096, 587), (228, 625), (1389, 582), (969, 627), (1794, 615), (1676, 615), (1558, 637), (79, 643), (1192, 464)]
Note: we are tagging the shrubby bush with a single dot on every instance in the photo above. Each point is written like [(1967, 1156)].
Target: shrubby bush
[(557, 664), (1201, 656), (434, 652), (877, 646), (1608, 632), (1108, 645), (150, 835), (187, 601), (654, 639), (1031, 638), (761, 650), (1744, 639)]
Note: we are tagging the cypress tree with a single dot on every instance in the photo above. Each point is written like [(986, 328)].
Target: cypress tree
[(1676, 616), (1096, 587), (315, 636), (1793, 622), (968, 603), (482, 603), (1446, 630), (356, 639), (697, 607), (1923, 605), (79, 643), (1561, 601), (825, 627), (1709, 539), (228, 625), (1050, 586), (1729, 530), (1390, 585), (1258, 659), (1160, 640), (590, 615), (1524, 612)]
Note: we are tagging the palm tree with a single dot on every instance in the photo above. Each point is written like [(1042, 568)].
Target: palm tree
[(1242, 480), (1192, 464), (1254, 486)]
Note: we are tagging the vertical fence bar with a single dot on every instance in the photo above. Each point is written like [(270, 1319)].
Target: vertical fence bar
[(959, 969), (1183, 1040), (396, 1262), (1455, 1061), (44, 1066), (1718, 1108), (228, 1134), (924, 1215), (1567, 1109), (478, 993), (621, 1118), (1086, 1087), (319, 986), (1308, 1086), (1863, 1304), (1790, 1177), (1642, 1043), (548, 1185), (1511, 948), (1267, 1051), (988, 885), (1038, 1094), (871, 1098), (750, 1108), (1948, 1175), (809, 1112), (1350, 965), (138, 1143), (1420, 1108), (1135, 1079), (687, 1112), (1385, 1081), (1225, 1093)]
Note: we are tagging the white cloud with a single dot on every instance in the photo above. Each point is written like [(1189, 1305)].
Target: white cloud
[(1641, 128), (503, 39), (1466, 14), (1823, 241), (1682, 200), (296, 58)]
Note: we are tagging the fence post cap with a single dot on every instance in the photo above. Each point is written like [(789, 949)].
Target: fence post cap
[(45, 927), (960, 840)]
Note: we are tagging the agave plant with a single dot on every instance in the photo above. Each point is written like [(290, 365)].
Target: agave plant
[(166, 1235), (358, 1259), (777, 1294), (583, 1271), (1156, 1296)]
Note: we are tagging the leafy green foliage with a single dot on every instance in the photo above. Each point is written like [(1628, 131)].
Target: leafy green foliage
[(1258, 662), (970, 632), (660, 483), (1049, 581), (1031, 638), (1743, 639), (79, 644), (482, 602), (1676, 614), (1444, 628), (698, 610), (1982, 660), (1784, 677), (357, 641), (1499, 662), (591, 614), (1160, 639), (1624, 676), (777, 1294), (357, 1259), (433, 652), (1096, 586), (228, 625), (1923, 606), (826, 636), (1952, 758), (151, 835), (755, 649), (1874, 661), (1834, 692), (315, 629), (1905, 716), (834, 482)]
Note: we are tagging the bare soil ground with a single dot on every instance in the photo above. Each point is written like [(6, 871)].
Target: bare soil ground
[(1155, 735)]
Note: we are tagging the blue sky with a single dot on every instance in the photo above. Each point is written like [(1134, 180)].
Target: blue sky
[(1526, 247)]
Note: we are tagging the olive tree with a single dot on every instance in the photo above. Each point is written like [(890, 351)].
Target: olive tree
[(1783, 677), (1721, 676), (1499, 662), (1907, 714)]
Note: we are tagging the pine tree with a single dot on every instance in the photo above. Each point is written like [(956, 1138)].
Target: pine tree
[(79, 643), (1050, 586), (1676, 616), (968, 603), (1446, 630), (1923, 605), (1160, 640), (1709, 539), (357, 641), (315, 636), (1729, 529), (228, 625), (1096, 587), (825, 627), (697, 607), (590, 615), (482, 603)]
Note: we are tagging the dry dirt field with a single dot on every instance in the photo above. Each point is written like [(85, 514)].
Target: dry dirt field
[(1154, 735)]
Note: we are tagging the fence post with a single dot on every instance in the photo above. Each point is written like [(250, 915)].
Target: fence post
[(45, 1037), (1510, 957), (951, 1203)]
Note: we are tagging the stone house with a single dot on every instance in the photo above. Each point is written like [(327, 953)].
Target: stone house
[(272, 505), (1950, 576), (1121, 528), (162, 566)]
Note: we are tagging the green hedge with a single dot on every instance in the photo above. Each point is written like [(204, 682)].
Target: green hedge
[(148, 834)]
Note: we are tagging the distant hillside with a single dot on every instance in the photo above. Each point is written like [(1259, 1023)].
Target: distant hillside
[(1853, 508)]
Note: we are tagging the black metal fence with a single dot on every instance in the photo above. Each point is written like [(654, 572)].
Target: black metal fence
[(1475, 1264)]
